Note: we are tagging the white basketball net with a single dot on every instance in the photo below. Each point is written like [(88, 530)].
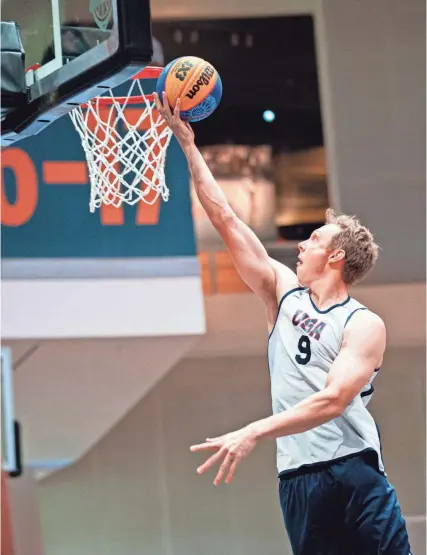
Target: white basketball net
[(125, 147)]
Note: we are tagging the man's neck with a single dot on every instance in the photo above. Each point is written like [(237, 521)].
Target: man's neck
[(328, 291)]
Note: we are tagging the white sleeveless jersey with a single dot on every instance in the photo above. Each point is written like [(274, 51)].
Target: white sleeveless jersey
[(302, 347)]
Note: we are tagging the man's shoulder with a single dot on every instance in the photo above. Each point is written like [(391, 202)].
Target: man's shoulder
[(366, 327), (286, 279), (362, 317)]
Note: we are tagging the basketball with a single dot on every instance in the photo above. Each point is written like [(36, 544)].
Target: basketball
[(196, 82)]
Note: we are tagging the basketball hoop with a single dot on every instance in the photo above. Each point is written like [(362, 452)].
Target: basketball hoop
[(125, 147)]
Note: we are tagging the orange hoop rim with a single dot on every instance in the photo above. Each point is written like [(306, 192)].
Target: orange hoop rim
[(149, 72), (108, 100)]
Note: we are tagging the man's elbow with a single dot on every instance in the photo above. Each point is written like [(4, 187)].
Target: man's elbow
[(222, 217), (337, 402)]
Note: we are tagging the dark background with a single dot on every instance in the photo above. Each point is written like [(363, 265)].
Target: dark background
[(277, 72)]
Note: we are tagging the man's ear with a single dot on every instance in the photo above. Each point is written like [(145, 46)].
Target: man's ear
[(336, 256)]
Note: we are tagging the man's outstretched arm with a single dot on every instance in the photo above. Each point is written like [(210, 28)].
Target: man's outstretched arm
[(248, 253)]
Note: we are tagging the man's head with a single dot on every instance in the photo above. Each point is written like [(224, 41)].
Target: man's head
[(342, 245)]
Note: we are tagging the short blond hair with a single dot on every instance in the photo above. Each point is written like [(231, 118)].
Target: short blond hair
[(361, 251)]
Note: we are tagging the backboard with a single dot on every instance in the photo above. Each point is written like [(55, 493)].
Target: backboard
[(74, 51)]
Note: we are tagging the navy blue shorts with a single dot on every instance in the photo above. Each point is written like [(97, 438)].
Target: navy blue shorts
[(343, 508)]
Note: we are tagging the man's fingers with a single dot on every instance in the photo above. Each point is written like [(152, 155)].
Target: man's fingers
[(157, 102), (229, 459), (177, 109), (232, 470), (203, 447), (210, 462), (166, 107)]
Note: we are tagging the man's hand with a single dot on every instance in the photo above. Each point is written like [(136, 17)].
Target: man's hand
[(230, 449), (181, 129)]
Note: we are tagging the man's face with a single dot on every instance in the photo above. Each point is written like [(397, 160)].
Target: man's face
[(314, 254)]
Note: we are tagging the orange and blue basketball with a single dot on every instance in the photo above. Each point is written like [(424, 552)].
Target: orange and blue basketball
[(197, 84)]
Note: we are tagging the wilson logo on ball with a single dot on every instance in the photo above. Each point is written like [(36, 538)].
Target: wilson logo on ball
[(181, 73), (204, 79)]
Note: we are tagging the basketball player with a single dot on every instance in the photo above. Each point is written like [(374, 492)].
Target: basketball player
[(324, 350)]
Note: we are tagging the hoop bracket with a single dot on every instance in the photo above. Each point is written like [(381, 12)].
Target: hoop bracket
[(149, 72)]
